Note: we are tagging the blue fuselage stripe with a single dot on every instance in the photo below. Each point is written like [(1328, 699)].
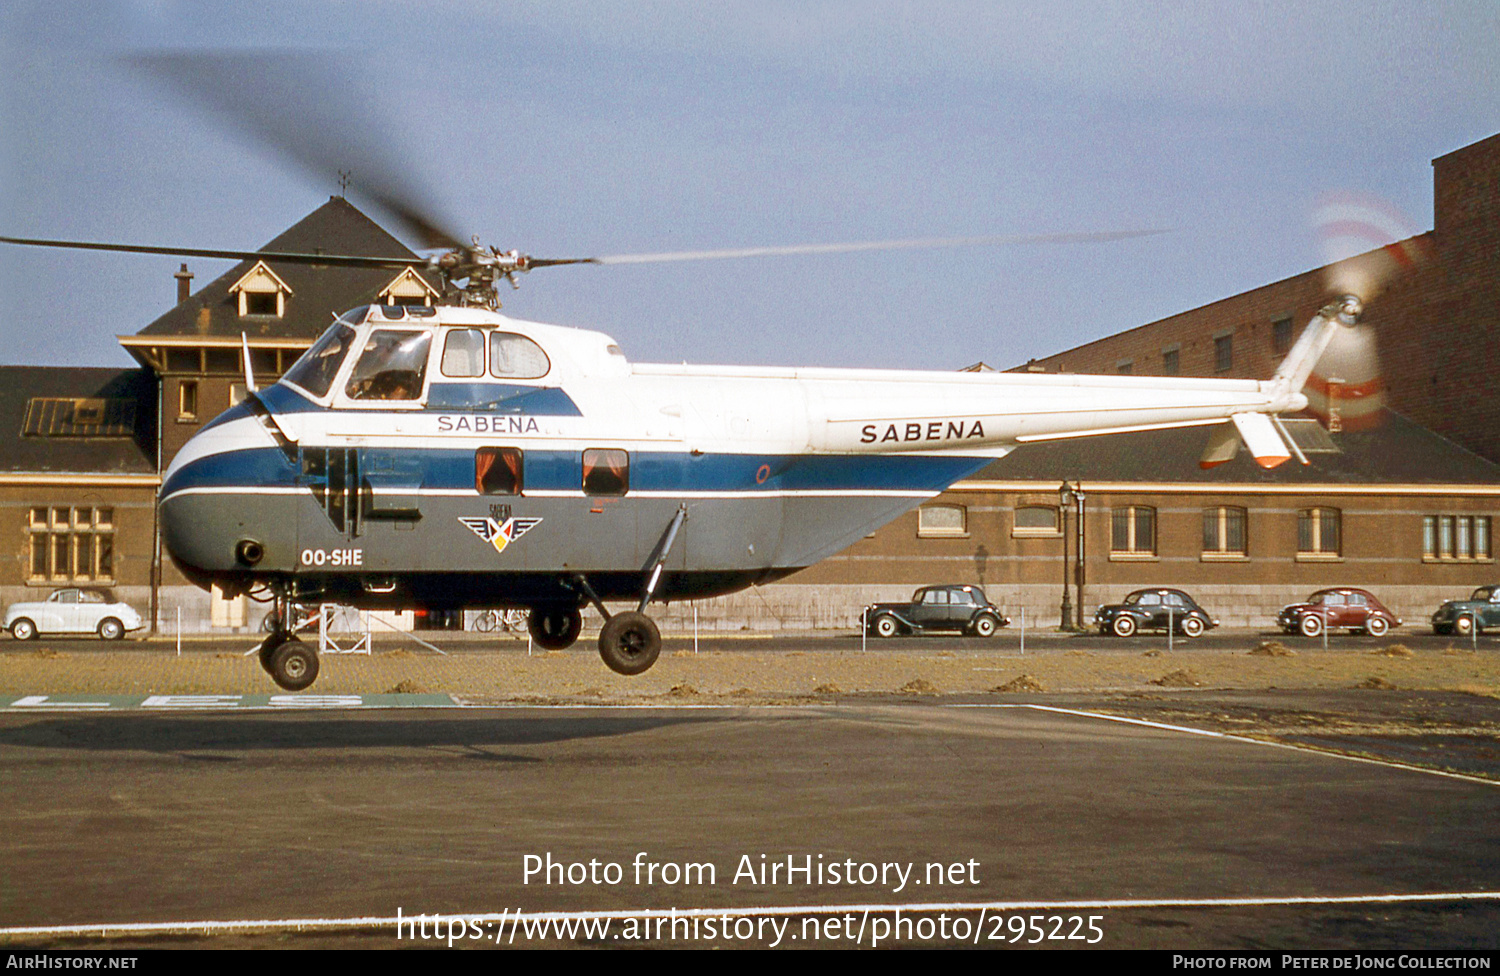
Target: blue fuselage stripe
[(440, 469)]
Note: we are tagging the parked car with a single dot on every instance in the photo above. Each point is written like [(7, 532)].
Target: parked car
[(1480, 610), (1154, 609), (957, 606), (1337, 607), (73, 611)]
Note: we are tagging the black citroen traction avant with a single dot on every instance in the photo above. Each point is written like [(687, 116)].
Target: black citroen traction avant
[(958, 606)]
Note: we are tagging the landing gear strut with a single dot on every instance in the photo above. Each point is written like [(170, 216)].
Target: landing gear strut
[(630, 642), (290, 663)]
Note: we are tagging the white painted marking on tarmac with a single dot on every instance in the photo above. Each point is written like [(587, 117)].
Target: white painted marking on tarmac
[(1230, 737), (209, 927)]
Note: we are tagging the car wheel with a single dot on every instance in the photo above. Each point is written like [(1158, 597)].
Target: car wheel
[(111, 629), (1192, 627), (1376, 626), (1463, 625), (1311, 626), (886, 627), (986, 626), (23, 629), (1124, 625)]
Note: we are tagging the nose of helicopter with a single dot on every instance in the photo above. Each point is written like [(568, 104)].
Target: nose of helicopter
[(225, 502)]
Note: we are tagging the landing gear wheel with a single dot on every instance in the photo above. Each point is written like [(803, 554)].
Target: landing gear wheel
[(1124, 626), (1376, 626), (1311, 626), (23, 629), (111, 629), (986, 626), (1192, 627), (294, 665), (629, 642), (267, 648), (886, 627), (555, 629)]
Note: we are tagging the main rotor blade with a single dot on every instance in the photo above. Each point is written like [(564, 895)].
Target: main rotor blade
[(341, 260), (308, 108), (906, 244)]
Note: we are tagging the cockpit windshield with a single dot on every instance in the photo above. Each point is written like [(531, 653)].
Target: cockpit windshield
[(392, 366), (314, 372)]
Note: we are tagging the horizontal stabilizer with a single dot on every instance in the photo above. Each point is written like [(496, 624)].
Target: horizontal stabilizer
[(1222, 447), (1262, 439)]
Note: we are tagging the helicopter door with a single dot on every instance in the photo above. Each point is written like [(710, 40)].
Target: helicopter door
[(332, 474)]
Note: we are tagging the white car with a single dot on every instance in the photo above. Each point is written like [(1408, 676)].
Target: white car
[(72, 611)]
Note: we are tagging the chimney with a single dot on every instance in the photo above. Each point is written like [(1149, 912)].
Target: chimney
[(184, 283)]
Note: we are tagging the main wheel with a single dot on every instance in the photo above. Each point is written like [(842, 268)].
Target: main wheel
[(294, 665), (1124, 625), (1311, 626), (1376, 626), (986, 626), (629, 642), (886, 626), (1192, 627), (23, 629), (111, 629), (555, 628)]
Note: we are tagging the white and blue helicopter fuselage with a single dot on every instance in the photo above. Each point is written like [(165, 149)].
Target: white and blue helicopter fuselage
[(454, 457)]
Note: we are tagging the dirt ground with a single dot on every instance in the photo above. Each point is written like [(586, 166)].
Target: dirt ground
[(752, 675)]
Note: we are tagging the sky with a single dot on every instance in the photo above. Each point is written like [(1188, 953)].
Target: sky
[(570, 129)]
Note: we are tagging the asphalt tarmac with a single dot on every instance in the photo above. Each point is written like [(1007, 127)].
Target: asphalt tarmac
[(1148, 835)]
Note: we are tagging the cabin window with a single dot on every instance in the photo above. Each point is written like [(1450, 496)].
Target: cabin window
[(463, 353), (606, 471), (516, 357), (497, 471), (392, 366), (315, 370)]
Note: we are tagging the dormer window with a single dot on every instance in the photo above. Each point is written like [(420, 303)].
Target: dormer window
[(408, 288), (261, 293)]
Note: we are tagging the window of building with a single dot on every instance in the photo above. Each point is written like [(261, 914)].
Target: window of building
[(606, 471), (408, 290), (261, 292), (1125, 367), (1133, 531), (1169, 362), (1318, 532), (1456, 537), (1223, 353), (498, 470), (1224, 531), (71, 543), (187, 400), (942, 521), (1281, 336), (1036, 520)]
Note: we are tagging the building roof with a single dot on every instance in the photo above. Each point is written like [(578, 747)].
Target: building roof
[(112, 431), (317, 292), (1397, 452)]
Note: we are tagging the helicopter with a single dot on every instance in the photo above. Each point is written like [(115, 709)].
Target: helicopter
[(451, 456)]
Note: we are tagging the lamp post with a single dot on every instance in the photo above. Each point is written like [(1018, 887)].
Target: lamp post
[(1078, 566), (1064, 499)]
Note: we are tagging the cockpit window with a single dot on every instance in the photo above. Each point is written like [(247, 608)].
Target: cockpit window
[(517, 357), (463, 353), (314, 372), (392, 366)]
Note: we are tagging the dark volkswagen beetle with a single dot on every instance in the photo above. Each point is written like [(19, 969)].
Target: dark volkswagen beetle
[(1154, 609)]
